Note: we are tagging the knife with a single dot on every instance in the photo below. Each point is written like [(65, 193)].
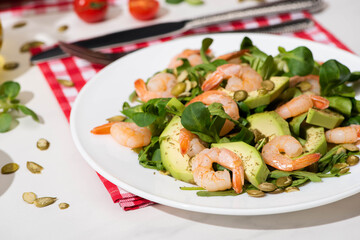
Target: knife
[(166, 29)]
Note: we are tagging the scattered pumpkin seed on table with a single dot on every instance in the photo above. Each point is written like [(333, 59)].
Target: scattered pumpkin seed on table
[(44, 201), (34, 167), (28, 45), (29, 197), (10, 66), (42, 144), (63, 205), (63, 28), (65, 83), (9, 168), (19, 24)]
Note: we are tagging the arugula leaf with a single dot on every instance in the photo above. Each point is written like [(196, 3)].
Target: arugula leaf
[(230, 192), (244, 109), (27, 111), (150, 156), (5, 122), (268, 68), (333, 76), (300, 60), (174, 1), (196, 117), (353, 120), (10, 89), (245, 135), (302, 174), (206, 42)]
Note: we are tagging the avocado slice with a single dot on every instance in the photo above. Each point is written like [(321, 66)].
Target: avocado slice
[(324, 118), (340, 104), (255, 100), (269, 123), (255, 168), (315, 140), (171, 157)]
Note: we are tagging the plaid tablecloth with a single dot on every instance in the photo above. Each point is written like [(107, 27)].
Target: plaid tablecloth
[(80, 71)]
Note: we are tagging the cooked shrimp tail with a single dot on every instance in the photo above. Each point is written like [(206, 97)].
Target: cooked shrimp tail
[(102, 129), (339, 135), (240, 77), (301, 104), (206, 177), (232, 55), (130, 135), (190, 144), (272, 154)]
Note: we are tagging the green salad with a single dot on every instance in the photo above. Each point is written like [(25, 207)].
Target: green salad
[(244, 121)]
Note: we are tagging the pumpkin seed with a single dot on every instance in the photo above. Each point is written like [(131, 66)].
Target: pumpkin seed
[(63, 28), (34, 167), (178, 89), (344, 170), (42, 144), (341, 165), (193, 84), (117, 118), (304, 86), (267, 187), (19, 24), (350, 147), (28, 45), (183, 76), (65, 83), (29, 197), (44, 201), (240, 95), (292, 189), (10, 66), (352, 160), (276, 191), (268, 85), (340, 150), (63, 205), (283, 181), (262, 91), (9, 168), (257, 135), (255, 193)]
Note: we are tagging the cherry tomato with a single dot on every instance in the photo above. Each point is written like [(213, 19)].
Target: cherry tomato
[(91, 10), (143, 9)]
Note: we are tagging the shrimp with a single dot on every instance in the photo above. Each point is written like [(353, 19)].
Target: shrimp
[(190, 144), (206, 177), (193, 56), (301, 104), (240, 77), (348, 134), (312, 79), (229, 105), (130, 135), (233, 57), (159, 86), (272, 154)]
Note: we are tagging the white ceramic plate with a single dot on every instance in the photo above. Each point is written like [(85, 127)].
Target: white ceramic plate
[(103, 96)]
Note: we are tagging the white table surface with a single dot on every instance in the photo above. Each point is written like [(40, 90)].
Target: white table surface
[(92, 215)]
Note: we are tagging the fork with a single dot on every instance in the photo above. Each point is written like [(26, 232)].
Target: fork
[(107, 58)]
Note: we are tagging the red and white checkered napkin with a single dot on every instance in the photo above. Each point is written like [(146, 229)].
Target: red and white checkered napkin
[(80, 71)]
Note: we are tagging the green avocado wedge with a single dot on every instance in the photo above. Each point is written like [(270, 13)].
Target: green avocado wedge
[(255, 100), (324, 118), (315, 141), (269, 123), (171, 157), (255, 168)]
